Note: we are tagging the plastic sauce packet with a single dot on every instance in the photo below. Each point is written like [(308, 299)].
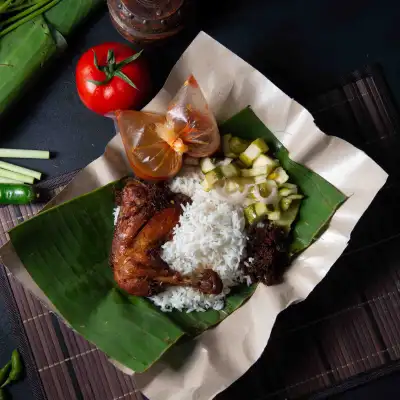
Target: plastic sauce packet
[(155, 144)]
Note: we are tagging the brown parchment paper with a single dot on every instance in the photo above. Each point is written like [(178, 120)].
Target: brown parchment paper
[(207, 365)]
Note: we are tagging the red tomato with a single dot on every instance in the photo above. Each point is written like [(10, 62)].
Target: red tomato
[(109, 86)]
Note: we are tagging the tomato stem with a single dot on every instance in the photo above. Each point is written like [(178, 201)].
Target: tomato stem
[(113, 69)]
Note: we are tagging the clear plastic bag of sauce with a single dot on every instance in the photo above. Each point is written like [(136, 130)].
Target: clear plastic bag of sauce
[(155, 144)]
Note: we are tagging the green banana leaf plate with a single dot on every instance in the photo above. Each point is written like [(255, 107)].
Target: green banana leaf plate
[(66, 251)]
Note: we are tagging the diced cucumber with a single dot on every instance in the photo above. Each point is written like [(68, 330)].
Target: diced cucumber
[(287, 217), (290, 186), (256, 148), (245, 159), (260, 179), (262, 160), (248, 202), (274, 215), (206, 186), (260, 143), (231, 186), (261, 209), (249, 155), (285, 203), (230, 170), (212, 177), (226, 146), (250, 214), (239, 164), (225, 161), (295, 197), (284, 192), (279, 175), (238, 145), (207, 165), (242, 182), (255, 171)]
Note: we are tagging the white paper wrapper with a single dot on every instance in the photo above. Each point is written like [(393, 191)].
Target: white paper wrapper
[(206, 366)]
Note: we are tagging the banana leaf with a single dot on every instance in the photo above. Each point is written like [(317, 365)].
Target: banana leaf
[(21, 57), (66, 251), (321, 198), (29, 49)]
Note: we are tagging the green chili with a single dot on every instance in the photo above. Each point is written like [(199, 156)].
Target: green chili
[(4, 373), (16, 368)]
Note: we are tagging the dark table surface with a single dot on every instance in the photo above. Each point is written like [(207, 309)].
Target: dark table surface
[(304, 47)]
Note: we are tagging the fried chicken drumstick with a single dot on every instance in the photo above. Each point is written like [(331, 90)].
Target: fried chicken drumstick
[(148, 213)]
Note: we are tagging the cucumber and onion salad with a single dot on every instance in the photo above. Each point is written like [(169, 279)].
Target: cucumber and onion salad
[(249, 176)]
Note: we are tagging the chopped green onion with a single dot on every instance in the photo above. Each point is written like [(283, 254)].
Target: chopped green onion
[(20, 170), (15, 175), (16, 153)]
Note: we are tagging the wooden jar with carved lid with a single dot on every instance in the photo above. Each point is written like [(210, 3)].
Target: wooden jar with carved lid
[(147, 21)]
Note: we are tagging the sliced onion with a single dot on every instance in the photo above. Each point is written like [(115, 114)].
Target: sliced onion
[(271, 199), (225, 161), (237, 197)]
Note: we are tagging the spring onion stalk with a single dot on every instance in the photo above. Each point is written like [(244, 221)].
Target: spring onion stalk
[(16, 176), (20, 170), (16, 153), (8, 180), (25, 12), (5, 5), (33, 14)]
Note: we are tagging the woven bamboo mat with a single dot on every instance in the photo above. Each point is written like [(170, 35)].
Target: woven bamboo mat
[(349, 326), (69, 367)]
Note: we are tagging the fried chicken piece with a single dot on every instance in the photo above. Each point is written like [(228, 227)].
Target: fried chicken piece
[(140, 232)]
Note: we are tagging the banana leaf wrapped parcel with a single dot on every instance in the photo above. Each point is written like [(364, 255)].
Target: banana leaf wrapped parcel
[(25, 52)]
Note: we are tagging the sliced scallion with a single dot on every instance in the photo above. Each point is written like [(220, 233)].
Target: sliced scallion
[(20, 170), (16, 153), (16, 176)]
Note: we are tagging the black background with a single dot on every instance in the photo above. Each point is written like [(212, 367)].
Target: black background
[(302, 46)]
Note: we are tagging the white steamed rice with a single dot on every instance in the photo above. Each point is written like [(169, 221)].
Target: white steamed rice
[(210, 234)]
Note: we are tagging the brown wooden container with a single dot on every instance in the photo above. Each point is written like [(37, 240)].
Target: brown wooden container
[(147, 21)]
